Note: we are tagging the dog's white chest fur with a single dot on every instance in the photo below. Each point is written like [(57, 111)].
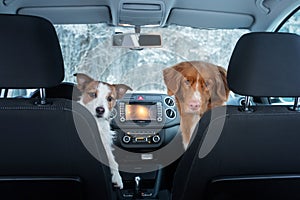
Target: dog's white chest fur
[(105, 132)]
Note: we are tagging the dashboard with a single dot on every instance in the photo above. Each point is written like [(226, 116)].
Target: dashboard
[(144, 121), (149, 121)]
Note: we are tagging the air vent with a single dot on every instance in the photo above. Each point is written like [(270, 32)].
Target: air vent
[(141, 13), (169, 101), (170, 113)]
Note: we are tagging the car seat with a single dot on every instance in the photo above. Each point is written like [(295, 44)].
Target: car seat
[(49, 148), (249, 152)]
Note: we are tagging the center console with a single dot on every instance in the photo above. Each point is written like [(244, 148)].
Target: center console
[(141, 120), (144, 124)]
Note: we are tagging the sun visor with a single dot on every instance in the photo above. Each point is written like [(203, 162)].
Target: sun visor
[(70, 15), (209, 19)]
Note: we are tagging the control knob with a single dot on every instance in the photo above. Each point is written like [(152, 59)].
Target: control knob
[(126, 139), (156, 138)]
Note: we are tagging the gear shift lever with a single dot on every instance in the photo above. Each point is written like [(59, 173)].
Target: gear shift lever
[(137, 186)]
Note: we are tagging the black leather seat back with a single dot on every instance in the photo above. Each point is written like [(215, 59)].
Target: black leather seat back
[(42, 141), (253, 154), (51, 150)]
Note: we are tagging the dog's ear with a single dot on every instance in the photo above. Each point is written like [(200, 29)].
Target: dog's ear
[(82, 81), (220, 90), (121, 90), (172, 79)]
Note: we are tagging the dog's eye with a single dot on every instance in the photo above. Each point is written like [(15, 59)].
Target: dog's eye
[(187, 82), (110, 98), (93, 94)]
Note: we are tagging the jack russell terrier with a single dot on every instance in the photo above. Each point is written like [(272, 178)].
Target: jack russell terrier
[(100, 98)]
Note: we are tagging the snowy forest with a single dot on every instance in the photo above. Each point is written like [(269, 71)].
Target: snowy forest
[(87, 48)]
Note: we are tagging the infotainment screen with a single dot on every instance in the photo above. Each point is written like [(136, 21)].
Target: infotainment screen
[(140, 112)]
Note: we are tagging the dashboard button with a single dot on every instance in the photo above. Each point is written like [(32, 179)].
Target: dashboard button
[(156, 138), (126, 139), (122, 119)]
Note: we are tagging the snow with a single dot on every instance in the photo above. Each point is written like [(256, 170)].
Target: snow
[(88, 49)]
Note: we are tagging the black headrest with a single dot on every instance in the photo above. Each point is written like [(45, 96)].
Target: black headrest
[(265, 64), (30, 55), (64, 90)]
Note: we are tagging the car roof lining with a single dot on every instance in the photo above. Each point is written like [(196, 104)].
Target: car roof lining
[(255, 15)]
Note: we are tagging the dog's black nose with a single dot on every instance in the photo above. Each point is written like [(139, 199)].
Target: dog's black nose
[(100, 111)]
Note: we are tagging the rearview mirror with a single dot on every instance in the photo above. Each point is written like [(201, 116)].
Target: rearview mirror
[(136, 40)]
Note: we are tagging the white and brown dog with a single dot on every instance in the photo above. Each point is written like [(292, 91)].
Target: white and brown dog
[(197, 86), (100, 98)]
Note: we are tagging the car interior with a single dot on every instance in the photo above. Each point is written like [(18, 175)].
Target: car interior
[(51, 145)]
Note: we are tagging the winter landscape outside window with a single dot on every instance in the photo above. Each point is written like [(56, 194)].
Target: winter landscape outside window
[(88, 49)]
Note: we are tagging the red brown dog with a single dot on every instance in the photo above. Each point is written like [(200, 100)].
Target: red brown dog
[(197, 86)]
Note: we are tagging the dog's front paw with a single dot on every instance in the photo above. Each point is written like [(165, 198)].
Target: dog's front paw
[(117, 180)]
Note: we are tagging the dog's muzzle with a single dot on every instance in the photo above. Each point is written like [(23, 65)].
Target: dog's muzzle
[(100, 111)]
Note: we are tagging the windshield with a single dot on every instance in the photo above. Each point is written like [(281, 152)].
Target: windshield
[(88, 49)]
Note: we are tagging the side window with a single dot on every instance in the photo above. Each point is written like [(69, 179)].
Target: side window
[(16, 93), (291, 25)]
